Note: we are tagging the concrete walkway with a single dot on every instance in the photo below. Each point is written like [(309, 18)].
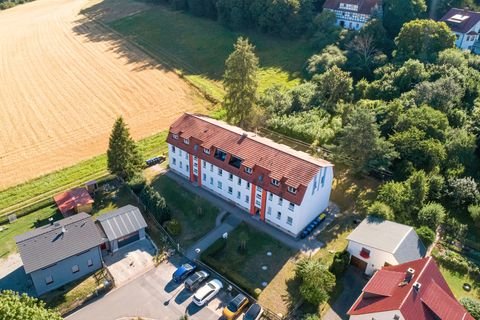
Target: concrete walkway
[(309, 245)]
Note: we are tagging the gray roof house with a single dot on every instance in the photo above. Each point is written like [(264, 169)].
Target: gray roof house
[(58, 253), (376, 243), (122, 226)]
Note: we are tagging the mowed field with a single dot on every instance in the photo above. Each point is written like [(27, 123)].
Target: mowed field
[(64, 80)]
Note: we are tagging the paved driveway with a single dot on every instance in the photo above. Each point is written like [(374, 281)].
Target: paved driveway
[(152, 295), (130, 261)]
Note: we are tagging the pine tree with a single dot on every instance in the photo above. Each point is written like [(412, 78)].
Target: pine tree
[(124, 159), (240, 82)]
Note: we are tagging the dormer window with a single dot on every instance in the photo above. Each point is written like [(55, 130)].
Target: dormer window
[(186, 141), (292, 190), (175, 136), (275, 182), (220, 155), (248, 170), (206, 151)]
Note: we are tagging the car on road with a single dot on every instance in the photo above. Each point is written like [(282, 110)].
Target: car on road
[(183, 272), (253, 313), (235, 307), (207, 292), (195, 280)]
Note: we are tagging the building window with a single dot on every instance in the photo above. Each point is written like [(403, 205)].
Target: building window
[(292, 190), (89, 262), (187, 168), (365, 253), (220, 155), (239, 194), (211, 181), (247, 199), (175, 136), (260, 178), (206, 151), (280, 201), (75, 268), (269, 210), (259, 189), (270, 196), (258, 203), (248, 170), (186, 156), (248, 185), (211, 168), (220, 172), (230, 190), (180, 152), (323, 181), (279, 215), (291, 206), (275, 182), (259, 196), (181, 165), (195, 147), (219, 184), (204, 164), (204, 176), (174, 161), (173, 149), (186, 141), (289, 221), (239, 181), (49, 280), (230, 177)]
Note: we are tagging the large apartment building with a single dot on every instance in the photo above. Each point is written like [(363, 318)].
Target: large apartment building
[(283, 187)]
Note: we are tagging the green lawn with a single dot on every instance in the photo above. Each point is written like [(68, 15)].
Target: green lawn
[(198, 47), (108, 201), (184, 206), (245, 268), (455, 282)]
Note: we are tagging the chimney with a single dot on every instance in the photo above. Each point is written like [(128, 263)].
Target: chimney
[(417, 286)]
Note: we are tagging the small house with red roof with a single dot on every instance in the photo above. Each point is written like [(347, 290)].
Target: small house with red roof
[(74, 201), (375, 243), (465, 24), (415, 290), (283, 187), (353, 14)]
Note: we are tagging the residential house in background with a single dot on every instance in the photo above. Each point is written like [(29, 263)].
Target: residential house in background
[(375, 243), (74, 201), (353, 14), (465, 25), (121, 227), (281, 186), (412, 290), (60, 252)]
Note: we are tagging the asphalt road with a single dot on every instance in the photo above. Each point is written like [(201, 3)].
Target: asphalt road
[(152, 295)]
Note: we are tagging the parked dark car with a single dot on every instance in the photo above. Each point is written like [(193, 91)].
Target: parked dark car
[(154, 160), (253, 313), (183, 272), (195, 280)]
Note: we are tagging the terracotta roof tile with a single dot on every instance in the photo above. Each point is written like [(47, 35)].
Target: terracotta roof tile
[(71, 199), (364, 6)]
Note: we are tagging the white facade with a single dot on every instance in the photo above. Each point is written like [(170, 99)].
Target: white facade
[(278, 212), (385, 315), (465, 41), (350, 20), (376, 259)]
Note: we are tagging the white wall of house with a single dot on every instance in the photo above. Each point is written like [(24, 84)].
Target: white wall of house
[(239, 192), (386, 315), (377, 257), (350, 20), (464, 41)]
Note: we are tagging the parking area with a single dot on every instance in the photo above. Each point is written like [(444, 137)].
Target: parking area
[(130, 261), (153, 295)]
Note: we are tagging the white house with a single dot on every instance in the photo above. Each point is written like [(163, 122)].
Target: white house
[(376, 243), (465, 25), (353, 14), (281, 186)]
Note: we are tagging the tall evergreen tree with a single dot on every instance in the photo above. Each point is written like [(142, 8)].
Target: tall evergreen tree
[(124, 159), (240, 82)]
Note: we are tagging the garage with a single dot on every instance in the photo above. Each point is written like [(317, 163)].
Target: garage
[(122, 227), (359, 263)]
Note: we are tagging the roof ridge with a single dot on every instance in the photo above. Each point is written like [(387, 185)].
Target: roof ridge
[(418, 278), (403, 239), (213, 122)]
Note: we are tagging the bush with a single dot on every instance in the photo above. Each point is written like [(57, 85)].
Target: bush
[(381, 210), (432, 214), (173, 227), (474, 211), (340, 263), (137, 183), (155, 203), (457, 263), (426, 234), (472, 306)]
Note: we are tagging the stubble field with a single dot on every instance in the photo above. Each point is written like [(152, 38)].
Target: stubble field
[(64, 80)]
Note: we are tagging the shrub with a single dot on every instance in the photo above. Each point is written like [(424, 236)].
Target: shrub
[(137, 183), (155, 203), (474, 211), (472, 306), (463, 191), (257, 292), (426, 234), (381, 210), (311, 317), (432, 214), (173, 227), (457, 263), (340, 263)]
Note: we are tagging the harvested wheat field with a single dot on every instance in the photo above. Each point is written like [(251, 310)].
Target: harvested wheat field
[(63, 81)]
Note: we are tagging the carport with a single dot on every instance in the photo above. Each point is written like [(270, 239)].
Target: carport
[(123, 226)]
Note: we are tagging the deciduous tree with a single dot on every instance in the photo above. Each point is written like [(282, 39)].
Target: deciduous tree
[(333, 86), (15, 306), (432, 214), (397, 12), (316, 281)]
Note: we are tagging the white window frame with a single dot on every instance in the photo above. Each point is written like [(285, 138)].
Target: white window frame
[(230, 190), (206, 151), (220, 172), (175, 136), (289, 221), (173, 149), (186, 141), (275, 182), (279, 215), (292, 190), (248, 170), (291, 206), (219, 185)]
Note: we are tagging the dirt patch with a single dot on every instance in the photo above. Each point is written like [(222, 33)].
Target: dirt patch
[(64, 81)]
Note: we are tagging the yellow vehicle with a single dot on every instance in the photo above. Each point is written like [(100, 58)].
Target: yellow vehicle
[(235, 307)]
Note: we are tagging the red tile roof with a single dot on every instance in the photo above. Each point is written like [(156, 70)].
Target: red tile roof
[(385, 284), (364, 6), (269, 160), (434, 299), (69, 200)]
